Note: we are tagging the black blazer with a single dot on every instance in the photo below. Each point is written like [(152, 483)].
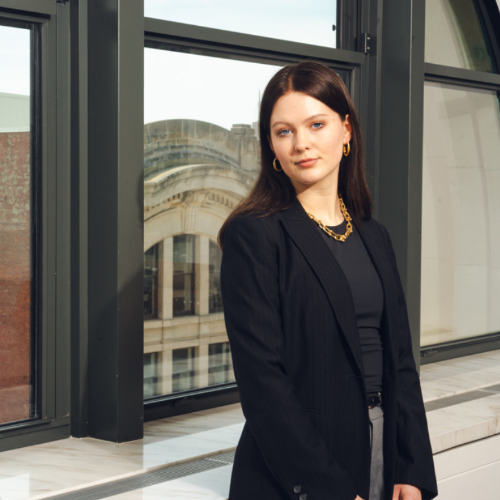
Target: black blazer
[(294, 340)]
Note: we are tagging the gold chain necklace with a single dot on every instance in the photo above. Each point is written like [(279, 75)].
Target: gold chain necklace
[(347, 217)]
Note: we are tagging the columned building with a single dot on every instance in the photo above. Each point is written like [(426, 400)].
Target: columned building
[(195, 174)]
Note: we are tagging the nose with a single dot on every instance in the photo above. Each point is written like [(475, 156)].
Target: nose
[(301, 142)]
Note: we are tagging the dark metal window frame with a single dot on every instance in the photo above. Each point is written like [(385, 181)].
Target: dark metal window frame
[(35, 222), (49, 160), (489, 17)]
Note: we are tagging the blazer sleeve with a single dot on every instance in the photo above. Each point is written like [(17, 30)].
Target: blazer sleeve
[(292, 448), (414, 461)]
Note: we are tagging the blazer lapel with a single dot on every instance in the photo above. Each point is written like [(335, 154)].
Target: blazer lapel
[(303, 232)]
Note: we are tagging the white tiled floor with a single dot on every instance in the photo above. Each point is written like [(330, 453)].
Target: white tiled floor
[(40, 471), (459, 375), (44, 470)]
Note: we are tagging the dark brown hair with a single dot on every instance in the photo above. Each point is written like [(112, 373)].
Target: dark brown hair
[(273, 191)]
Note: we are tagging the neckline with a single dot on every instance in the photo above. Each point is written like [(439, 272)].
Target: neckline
[(335, 229)]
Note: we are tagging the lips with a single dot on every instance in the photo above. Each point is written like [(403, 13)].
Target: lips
[(307, 162)]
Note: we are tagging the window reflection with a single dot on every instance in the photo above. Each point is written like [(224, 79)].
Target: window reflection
[(298, 22), (151, 375), (17, 401), (215, 291), (183, 369), (201, 156), (219, 363), (454, 35), (460, 214), (183, 279), (151, 283)]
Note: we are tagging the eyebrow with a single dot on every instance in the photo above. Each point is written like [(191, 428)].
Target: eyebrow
[(306, 120)]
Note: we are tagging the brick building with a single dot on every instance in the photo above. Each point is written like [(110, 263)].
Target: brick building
[(15, 258)]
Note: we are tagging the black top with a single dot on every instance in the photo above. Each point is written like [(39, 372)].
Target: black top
[(368, 298)]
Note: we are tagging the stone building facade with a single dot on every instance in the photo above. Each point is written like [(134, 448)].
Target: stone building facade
[(195, 174)]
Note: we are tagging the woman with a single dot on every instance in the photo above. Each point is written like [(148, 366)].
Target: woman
[(316, 316)]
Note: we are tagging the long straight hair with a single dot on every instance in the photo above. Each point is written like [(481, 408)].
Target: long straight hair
[(273, 191)]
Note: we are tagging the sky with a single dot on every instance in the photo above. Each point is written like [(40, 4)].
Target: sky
[(220, 91), (293, 20), (180, 85), (14, 60), (224, 91)]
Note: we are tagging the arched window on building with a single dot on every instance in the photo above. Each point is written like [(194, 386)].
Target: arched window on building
[(151, 375), (215, 296), (219, 363), (184, 275), (183, 369), (151, 283)]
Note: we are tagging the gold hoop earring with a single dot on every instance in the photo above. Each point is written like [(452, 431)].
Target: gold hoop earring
[(347, 149), (274, 165)]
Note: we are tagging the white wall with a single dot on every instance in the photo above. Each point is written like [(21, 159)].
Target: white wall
[(14, 112)]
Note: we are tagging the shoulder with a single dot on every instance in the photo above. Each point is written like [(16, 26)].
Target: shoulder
[(252, 229), (252, 224)]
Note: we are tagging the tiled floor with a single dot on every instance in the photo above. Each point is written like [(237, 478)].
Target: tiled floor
[(468, 421), (43, 470), (60, 466)]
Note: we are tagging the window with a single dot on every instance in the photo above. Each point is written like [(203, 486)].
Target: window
[(460, 278), (202, 90), (460, 213), (183, 369), (184, 262), (35, 230), (215, 292), (219, 371), (151, 283), (151, 375), (200, 158), (454, 35), (292, 20), (17, 228)]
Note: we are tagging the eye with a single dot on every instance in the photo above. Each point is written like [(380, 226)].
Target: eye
[(283, 132), (317, 125)]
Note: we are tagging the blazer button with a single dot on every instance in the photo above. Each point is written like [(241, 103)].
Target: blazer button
[(303, 496), (296, 489)]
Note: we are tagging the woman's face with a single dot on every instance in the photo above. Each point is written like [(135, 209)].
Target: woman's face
[(308, 137)]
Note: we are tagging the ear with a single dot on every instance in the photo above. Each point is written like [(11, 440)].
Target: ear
[(347, 129)]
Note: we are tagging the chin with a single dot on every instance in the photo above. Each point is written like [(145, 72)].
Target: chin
[(311, 178)]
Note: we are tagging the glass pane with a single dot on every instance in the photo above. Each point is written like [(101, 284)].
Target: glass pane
[(460, 214), (201, 156), (150, 375), (183, 376), (219, 363), (151, 283), (184, 278), (292, 20), (16, 389), (215, 298), (454, 35)]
